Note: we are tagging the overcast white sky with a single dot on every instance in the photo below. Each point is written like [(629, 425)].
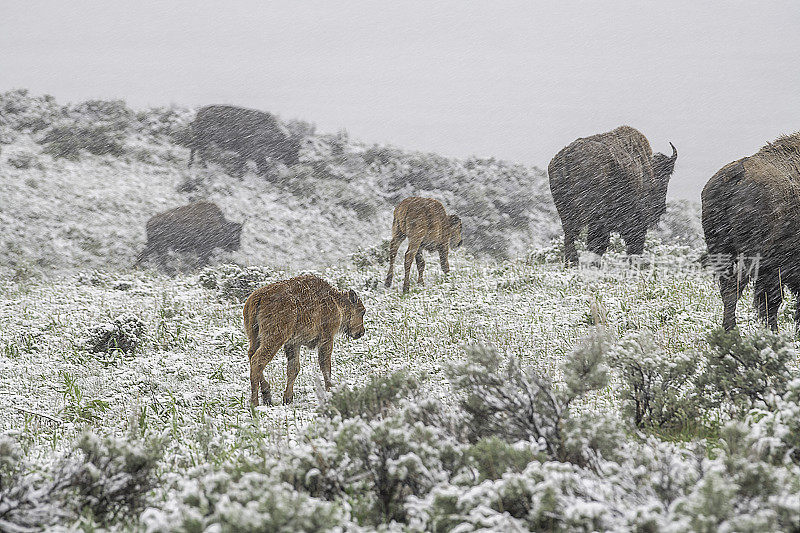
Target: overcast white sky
[(515, 80)]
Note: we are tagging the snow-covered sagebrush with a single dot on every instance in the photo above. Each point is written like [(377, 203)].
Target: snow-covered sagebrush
[(511, 395)]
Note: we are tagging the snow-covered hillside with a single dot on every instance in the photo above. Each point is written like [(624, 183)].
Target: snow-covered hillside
[(67, 204)]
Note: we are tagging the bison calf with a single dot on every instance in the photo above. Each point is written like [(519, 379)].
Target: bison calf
[(427, 226), (302, 311)]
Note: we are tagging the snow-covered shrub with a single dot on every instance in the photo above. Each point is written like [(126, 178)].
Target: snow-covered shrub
[(378, 155), (112, 476), (171, 122), (502, 399), (10, 457), (104, 480), (373, 464), (300, 128), (733, 376), (553, 253), (372, 256), (776, 432), (113, 113), (22, 112), (743, 372), (658, 389), (95, 278), (23, 160), (738, 490), (234, 282), (392, 456), (372, 399), (492, 457), (123, 333), (681, 224), (237, 501), (67, 139)]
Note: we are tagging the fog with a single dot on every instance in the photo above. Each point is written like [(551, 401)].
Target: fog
[(517, 80)]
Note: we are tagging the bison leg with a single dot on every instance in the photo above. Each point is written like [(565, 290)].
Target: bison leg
[(634, 241), (201, 155), (393, 247), (292, 369), (204, 257), (731, 287), (796, 291), (411, 252), (252, 334), (444, 251), (570, 253), (258, 361), (767, 297), (325, 351), (598, 238), (144, 255), (420, 266)]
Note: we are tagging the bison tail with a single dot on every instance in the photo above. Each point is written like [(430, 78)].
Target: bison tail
[(718, 215), (561, 172), (251, 327)]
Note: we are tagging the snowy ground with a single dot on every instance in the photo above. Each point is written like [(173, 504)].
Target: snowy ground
[(191, 367)]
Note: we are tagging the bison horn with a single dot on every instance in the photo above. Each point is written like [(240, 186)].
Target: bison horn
[(674, 152)]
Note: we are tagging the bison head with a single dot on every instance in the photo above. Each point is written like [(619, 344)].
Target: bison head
[(455, 231), (663, 167), (353, 316), (232, 238)]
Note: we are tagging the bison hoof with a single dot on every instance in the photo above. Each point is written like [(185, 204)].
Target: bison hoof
[(288, 399), (387, 283)]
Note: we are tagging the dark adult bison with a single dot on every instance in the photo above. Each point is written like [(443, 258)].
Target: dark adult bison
[(751, 221), (253, 135), (611, 182), (196, 228)]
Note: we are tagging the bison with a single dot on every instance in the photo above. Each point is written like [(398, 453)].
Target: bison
[(751, 222), (609, 182), (195, 228), (302, 311), (428, 227), (253, 135)]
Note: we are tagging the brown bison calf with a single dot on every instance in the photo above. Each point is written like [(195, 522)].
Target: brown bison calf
[(302, 311), (427, 226)]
